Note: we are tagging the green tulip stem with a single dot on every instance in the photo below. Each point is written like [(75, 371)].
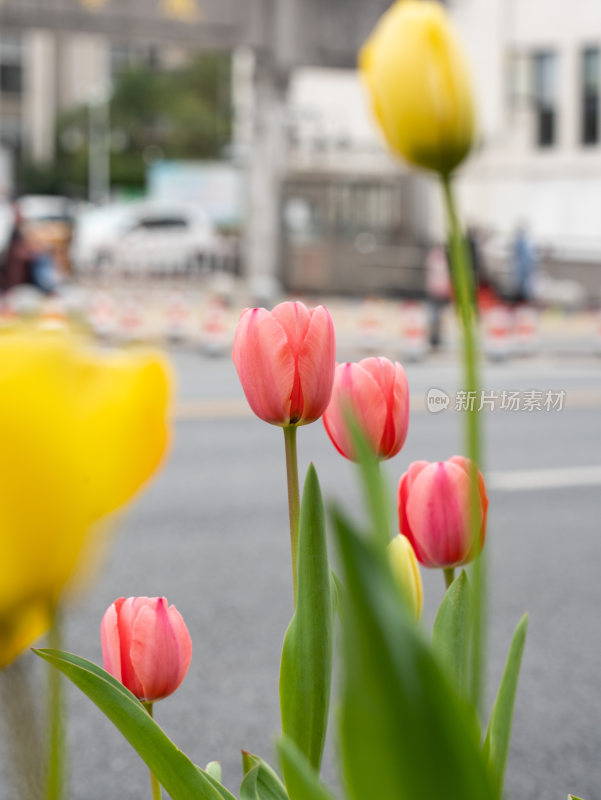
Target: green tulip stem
[(463, 283), (20, 730), (293, 496), (449, 575), (155, 786), (56, 754)]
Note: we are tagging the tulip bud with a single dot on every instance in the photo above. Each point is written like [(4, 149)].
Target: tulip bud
[(376, 394), (285, 360), (419, 85), (406, 573), (146, 646), (434, 501)]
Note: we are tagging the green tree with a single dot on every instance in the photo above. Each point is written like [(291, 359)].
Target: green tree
[(178, 113)]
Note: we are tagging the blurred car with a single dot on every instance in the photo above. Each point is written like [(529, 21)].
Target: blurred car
[(144, 239), (46, 208), (96, 234)]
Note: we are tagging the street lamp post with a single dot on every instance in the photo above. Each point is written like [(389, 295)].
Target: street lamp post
[(99, 165)]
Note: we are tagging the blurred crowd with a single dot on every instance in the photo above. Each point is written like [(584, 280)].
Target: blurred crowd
[(35, 254)]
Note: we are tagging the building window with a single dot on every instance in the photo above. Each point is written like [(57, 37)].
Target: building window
[(11, 131), (11, 65), (590, 95), (545, 86)]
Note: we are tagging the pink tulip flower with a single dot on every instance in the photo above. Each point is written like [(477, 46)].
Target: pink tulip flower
[(376, 393), (285, 360), (146, 646), (434, 511)]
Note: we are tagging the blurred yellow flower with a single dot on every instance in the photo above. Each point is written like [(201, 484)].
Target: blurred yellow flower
[(419, 85), (80, 432), (406, 572), (182, 10)]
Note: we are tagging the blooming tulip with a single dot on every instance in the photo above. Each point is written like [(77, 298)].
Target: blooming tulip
[(146, 646), (434, 511), (418, 81), (375, 392), (81, 431), (406, 572), (285, 360)]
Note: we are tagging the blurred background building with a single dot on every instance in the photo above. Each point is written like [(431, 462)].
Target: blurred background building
[(269, 130), (537, 74)]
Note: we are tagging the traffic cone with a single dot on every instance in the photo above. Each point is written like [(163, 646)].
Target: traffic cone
[(214, 330), (177, 315), (102, 315), (526, 333), (414, 331), (370, 333), (53, 316), (497, 323), (131, 320)]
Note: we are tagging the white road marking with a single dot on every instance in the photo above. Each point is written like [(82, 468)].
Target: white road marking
[(238, 408), (555, 478)]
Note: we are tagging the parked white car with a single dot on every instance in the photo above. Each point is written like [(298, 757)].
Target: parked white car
[(139, 239)]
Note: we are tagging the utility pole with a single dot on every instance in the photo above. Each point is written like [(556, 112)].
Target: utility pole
[(99, 165)]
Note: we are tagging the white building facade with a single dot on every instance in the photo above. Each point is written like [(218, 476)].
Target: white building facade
[(536, 67)]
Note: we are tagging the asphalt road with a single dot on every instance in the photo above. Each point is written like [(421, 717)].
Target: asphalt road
[(211, 534)]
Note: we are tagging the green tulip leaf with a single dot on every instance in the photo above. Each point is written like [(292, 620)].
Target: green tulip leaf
[(304, 776), (306, 667), (376, 495), (182, 779), (498, 735), (260, 781), (405, 733), (451, 635), (337, 591), (216, 783)]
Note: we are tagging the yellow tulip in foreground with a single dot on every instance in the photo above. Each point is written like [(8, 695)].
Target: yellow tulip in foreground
[(419, 85), (405, 570), (80, 432)]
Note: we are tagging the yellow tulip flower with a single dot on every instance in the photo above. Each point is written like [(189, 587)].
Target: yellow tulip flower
[(419, 84), (405, 570), (80, 432)]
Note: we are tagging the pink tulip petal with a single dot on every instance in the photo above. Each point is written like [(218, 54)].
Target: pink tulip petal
[(381, 370), (294, 319), (356, 391), (399, 411), (438, 508), (265, 365), (464, 463), (155, 652), (393, 382), (369, 405), (316, 364), (109, 640), (405, 484), (127, 613), (334, 415), (184, 641)]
